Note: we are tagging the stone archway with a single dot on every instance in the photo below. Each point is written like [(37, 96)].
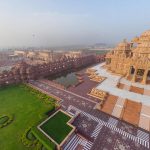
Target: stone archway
[(130, 73), (108, 61), (139, 75), (148, 77), (132, 69)]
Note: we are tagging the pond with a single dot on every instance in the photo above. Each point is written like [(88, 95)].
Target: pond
[(67, 80)]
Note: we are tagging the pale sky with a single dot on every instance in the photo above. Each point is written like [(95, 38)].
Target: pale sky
[(71, 22)]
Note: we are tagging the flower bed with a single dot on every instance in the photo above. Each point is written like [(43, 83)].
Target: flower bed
[(28, 139), (5, 120)]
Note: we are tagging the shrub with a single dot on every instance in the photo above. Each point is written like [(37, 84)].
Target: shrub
[(26, 140), (8, 121), (42, 139), (42, 96)]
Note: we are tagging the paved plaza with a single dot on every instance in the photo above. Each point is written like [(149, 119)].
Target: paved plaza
[(133, 99), (98, 128), (110, 86), (87, 85), (85, 125)]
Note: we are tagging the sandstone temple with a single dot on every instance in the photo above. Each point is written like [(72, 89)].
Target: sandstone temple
[(131, 59)]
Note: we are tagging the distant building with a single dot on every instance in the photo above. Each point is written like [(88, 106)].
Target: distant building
[(47, 56), (23, 72)]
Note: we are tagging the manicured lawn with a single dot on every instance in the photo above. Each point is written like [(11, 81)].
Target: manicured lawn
[(56, 127), (27, 110)]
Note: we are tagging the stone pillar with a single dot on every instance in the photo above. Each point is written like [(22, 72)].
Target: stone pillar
[(144, 77), (128, 73), (134, 75)]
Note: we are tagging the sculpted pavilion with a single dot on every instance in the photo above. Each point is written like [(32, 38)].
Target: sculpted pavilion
[(132, 59)]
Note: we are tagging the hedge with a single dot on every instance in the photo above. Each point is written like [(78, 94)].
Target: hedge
[(26, 141), (43, 139), (42, 96), (8, 121)]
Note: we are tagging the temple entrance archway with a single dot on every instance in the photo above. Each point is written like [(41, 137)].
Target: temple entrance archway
[(139, 75), (130, 73), (132, 70), (148, 77), (108, 61)]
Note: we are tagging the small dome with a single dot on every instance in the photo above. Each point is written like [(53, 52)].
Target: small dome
[(145, 37), (146, 33), (123, 46), (143, 48), (135, 40)]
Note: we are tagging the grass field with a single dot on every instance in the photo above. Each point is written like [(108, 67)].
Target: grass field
[(56, 127), (27, 110)]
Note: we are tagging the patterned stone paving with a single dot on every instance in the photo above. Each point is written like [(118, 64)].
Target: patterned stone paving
[(85, 125), (111, 140), (120, 135), (87, 85)]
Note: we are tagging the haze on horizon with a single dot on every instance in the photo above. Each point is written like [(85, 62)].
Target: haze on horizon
[(71, 22)]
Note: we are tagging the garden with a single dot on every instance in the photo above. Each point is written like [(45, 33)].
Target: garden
[(21, 107)]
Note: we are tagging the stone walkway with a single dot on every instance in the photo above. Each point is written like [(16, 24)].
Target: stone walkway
[(113, 127)]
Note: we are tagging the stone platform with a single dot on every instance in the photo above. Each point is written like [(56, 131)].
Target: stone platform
[(110, 85), (127, 101)]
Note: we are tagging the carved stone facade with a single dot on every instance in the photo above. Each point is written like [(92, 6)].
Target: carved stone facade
[(24, 72), (131, 59)]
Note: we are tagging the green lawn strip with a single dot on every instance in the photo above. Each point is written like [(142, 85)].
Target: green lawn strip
[(56, 127), (43, 139), (27, 109)]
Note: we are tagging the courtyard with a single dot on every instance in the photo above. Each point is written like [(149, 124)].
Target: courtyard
[(91, 123)]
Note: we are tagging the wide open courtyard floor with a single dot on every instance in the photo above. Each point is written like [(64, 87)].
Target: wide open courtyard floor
[(26, 108)]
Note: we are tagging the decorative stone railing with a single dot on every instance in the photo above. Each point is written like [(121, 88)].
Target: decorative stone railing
[(90, 71), (98, 94), (96, 78)]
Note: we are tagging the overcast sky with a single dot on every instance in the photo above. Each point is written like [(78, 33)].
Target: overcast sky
[(71, 22)]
